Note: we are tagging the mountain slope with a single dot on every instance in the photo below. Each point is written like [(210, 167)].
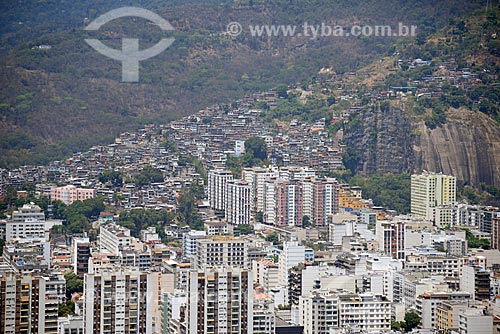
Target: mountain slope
[(451, 124), (68, 97)]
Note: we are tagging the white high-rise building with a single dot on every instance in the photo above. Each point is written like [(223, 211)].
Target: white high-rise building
[(220, 251), (431, 190), (29, 303), (391, 238), (257, 177), (322, 311), (28, 211), (114, 238), (239, 147), (426, 305), (238, 202), (28, 229), (365, 312), (291, 255), (217, 187), (80, 254), (265, 274), (319, 312), (269, 211), (28, 222), (263, 316), (189, 243), (120, 301), (220, 301), (474, 321), (288, 203), (173, 311)]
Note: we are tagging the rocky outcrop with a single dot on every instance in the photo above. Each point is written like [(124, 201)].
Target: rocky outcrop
[(384, 141), (467, 145)]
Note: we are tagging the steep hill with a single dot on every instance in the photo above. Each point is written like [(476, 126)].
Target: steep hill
[(58, 95), (467, 145), (447, 116)]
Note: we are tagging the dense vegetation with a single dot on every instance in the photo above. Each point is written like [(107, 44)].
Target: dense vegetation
[(475, 242), (470, 41), (389, 191)]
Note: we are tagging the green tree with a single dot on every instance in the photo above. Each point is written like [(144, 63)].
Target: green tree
[(282, 91), (245, 229), (475, 242), (256, 148), (65, 309), (188, 212), (397, 325), (412, 320), (306, 221), (147, 176), (77, 215), (115, 178), (274, 238), (73, 284), (58, 209), (139, 219), (389, 190)]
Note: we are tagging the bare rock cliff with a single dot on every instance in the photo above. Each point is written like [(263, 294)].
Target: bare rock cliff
[(467, 146), (390, 141)]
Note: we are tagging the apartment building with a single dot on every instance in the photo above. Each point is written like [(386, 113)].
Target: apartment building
[(120, 301), (238, 202), (69, 194), (28, 211), (257, 178), (291, 255), (189, 243), (114, 238), (495, 232), (221, 301), (288, 203), (475, 321), (29, 303), (325, 201), (322, 311), (431, 190), (217, 188), (220, 250), (476, 281), (263, 316), (173, 311), (319, 312), (80, 254), (427, 303), (448, 314), (28, 222), (391, 238), (365, 312), (266, 274)]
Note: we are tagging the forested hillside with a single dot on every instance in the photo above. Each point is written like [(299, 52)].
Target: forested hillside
[(59, 96)]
